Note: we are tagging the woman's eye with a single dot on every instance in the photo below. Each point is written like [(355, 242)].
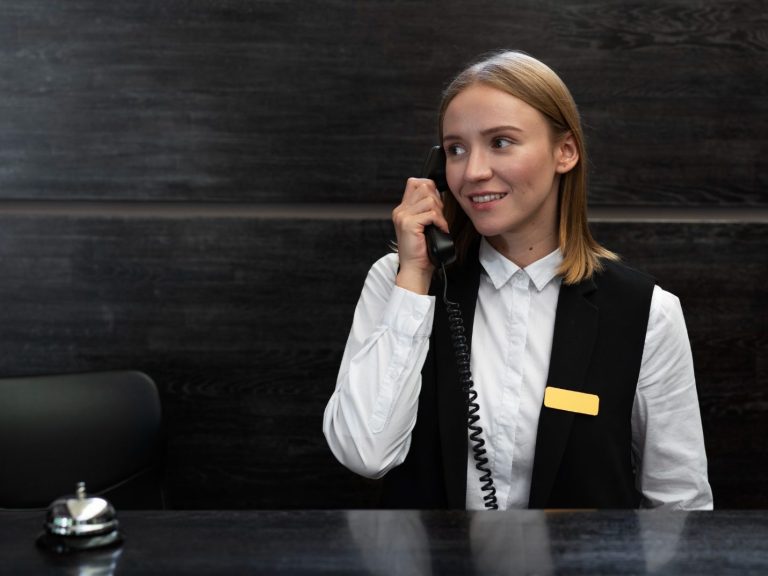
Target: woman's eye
[(501, 142), (455, 149)]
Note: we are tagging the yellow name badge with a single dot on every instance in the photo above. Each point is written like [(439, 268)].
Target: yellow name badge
[(571, 401)]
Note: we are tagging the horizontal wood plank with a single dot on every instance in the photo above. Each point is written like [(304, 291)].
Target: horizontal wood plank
[(242, 322), (336, 101)]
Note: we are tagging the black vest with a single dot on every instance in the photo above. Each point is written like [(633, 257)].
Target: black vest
[(580, 461)]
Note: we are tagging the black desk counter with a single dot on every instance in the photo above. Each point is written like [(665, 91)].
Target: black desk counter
[(406, 542)]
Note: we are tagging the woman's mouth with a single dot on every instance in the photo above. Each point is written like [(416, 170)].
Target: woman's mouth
[(484, 198)]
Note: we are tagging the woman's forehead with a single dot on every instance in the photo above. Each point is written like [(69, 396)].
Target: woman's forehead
[(482, 108)]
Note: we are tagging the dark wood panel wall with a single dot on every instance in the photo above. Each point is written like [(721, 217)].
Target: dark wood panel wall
[(289, 101), (245, 341), (141, 144)]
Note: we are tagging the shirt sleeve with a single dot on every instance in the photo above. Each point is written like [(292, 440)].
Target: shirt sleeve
[(667, 436), (370, 416)]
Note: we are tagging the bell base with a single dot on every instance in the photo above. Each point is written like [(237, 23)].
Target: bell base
[(71, 544)]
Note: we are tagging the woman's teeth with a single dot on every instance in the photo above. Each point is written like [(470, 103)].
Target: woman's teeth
[(487, 198)]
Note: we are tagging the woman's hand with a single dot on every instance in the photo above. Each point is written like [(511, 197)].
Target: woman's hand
[(420, 207)]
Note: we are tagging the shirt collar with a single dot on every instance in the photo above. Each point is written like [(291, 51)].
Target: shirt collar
[(500, 270)]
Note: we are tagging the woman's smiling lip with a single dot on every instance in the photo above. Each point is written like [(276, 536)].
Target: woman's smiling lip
[(485, 199)]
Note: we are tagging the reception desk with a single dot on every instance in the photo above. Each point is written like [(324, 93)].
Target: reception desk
[(406, 542)]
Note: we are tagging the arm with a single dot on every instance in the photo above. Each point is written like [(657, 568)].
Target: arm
[(369, 419), (370, 416), (667, 437)]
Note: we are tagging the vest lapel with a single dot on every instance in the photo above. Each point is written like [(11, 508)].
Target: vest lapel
[(573, 340)]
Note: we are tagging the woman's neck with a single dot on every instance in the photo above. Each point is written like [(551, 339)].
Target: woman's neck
[(523, 250)]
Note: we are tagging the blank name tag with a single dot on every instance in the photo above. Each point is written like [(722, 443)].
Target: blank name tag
[(571, 401)]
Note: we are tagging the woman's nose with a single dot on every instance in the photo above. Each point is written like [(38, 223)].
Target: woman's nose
[(478, 166)]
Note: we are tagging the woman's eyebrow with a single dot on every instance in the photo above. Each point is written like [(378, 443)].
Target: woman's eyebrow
[(487, 131), (502, 128)]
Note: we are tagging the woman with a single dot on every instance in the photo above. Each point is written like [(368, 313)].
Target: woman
[(582, 366)]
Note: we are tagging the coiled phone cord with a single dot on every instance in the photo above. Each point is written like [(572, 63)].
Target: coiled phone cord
[(461, 350)]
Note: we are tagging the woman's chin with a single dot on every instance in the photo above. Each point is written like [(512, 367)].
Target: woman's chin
[(489, 229)]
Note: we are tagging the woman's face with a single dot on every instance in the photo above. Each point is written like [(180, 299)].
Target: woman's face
[(503, 166)]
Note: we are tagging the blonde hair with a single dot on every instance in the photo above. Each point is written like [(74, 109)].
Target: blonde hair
[(533, 82)]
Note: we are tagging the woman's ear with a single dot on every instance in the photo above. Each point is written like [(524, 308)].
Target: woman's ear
[(566, 154)]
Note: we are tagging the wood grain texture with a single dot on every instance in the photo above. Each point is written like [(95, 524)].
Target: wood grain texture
[(235, 100), (242, 322), (395, 542)]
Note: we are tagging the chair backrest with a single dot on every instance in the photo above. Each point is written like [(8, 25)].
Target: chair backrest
[(102, 428)]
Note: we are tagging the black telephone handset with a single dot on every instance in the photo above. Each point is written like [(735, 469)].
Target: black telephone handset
[(442, 252), (440, 247)]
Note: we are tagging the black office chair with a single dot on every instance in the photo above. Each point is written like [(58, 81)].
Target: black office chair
[(102, 428)]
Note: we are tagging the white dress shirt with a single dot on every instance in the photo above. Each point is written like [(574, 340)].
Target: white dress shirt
[(369, 419)]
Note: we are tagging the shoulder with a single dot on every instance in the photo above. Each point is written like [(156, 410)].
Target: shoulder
[(666, 313), (615, 272), (663, 303), (625, 290)]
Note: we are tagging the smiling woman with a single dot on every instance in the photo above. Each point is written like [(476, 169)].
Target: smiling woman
[(582, 365), (506, 177), (541, 97)]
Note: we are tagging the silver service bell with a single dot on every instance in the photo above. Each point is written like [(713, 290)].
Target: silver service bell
[(78, 522)]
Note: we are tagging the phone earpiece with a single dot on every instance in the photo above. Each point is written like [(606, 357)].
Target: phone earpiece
[(440, 248)]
